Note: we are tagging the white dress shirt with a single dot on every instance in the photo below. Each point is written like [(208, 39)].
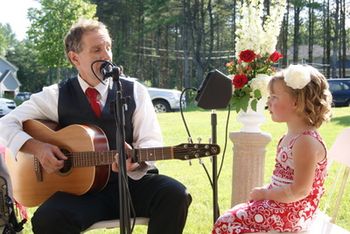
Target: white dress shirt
[(44, 105)]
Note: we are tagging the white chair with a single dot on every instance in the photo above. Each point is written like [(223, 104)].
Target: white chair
[(340, 153), (109, 224)]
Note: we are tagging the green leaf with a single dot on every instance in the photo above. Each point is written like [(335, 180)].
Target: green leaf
[(234, 101), (245, 102), (257, 94), (253, 104), (246, 89)]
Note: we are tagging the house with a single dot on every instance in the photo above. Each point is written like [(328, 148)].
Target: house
[(303, 54), (9, 84)]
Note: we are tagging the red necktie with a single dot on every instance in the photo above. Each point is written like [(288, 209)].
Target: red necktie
[(92, 94)]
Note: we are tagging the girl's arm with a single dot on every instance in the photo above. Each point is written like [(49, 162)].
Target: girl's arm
[(307, 152)]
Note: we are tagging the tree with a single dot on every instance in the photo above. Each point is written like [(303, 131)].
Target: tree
[(327, 38), (31, 74), (283, 38), (186, 40), (311, 31), (173, 44), (343, 44), (7, 38), (298, 5), (50, 23)]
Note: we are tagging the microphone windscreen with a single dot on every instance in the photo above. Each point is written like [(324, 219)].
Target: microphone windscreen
[(108, 69), (215, 91)]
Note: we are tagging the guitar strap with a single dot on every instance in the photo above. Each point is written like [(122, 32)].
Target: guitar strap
[(8, 219)]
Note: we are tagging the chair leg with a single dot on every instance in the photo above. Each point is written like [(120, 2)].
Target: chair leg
[(340, 195)]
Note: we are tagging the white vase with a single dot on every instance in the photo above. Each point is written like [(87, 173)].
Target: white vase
[(250, 119)]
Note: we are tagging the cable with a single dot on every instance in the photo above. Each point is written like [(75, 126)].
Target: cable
[(117, 122), (189, 134), (124, 179), (225, 144), (191, 141), (182, 115), (92, 69)]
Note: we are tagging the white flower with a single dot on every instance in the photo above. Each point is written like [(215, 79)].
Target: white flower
[(297, 76), (261, 82), (254, 34)]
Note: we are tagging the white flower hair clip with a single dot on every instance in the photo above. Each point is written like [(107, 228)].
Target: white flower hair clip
[(297, 76)]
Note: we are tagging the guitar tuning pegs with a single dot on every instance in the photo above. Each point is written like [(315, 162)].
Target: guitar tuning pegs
[(200, 161), (190, 162), (189, 140), (199, 140)]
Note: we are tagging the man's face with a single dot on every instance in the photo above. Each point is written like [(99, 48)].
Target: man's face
[(95, 45)]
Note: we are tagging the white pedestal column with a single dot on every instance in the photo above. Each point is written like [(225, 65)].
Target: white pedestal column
[(248, 163)]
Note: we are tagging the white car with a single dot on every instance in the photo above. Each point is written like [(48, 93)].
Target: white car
[(6, 105), (166, 100)]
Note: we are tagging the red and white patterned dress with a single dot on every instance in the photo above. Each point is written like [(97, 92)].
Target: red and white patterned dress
[(268, 215)]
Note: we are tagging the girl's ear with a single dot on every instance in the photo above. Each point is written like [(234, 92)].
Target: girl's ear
[(295, 106)]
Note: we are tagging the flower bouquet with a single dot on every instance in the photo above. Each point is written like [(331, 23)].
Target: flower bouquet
[(255, 52)]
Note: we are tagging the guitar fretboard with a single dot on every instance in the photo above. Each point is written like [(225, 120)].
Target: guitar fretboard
[(90, 158)]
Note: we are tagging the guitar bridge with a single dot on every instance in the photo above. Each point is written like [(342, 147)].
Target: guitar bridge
[(38, 170)]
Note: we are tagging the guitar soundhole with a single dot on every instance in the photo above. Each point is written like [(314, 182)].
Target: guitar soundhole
[(67, 163)]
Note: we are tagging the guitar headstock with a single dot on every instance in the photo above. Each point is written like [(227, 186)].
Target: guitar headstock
[(191, 151)]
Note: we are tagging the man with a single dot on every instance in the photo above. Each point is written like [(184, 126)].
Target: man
[(162, 199)]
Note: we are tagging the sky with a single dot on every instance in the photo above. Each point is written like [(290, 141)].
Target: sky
[(14, 12)]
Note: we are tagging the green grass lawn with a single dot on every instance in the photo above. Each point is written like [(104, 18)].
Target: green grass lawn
[(200, 217)]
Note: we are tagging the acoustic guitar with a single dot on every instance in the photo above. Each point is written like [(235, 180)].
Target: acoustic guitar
[(87, 168)]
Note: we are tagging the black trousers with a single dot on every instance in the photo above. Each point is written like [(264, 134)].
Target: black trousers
[(164, 200)]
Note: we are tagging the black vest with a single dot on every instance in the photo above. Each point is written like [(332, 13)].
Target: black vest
[(74, 108)]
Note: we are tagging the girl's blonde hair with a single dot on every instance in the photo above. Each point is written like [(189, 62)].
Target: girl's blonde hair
[(314, 100)]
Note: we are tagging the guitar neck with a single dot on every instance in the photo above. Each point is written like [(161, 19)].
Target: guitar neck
[(88, 159)]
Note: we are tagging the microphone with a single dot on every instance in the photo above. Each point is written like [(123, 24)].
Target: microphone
[(108, 69)]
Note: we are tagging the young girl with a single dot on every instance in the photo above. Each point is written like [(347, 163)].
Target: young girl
[(299, 96)]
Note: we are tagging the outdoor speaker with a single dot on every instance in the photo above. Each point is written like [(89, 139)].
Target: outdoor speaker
[(215, 91)]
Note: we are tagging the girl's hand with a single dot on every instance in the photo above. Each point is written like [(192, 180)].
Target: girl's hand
[(258, 193)]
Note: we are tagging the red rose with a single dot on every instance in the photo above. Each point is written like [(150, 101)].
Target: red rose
[(247, 56), (275, 56), (239, 81)]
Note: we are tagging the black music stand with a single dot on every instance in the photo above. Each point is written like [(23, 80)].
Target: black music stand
[(214, 93)]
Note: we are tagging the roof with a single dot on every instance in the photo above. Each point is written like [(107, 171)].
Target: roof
[(9, 74), (8, 63), (5, 74)]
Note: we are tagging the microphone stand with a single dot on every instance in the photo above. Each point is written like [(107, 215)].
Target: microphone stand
[(124, 206), (214, 166)]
